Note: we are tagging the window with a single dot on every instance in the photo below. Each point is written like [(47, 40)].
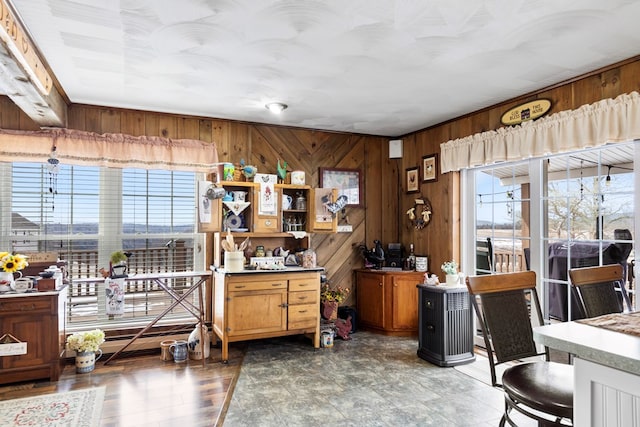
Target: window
[(589, 202), (501, 230), (86, 213), (551, 214)]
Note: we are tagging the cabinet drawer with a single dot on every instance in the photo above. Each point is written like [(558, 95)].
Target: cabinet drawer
[(258, 286), (309, 284), (265, 225), (304, 297), (26, 304), (303, 316)]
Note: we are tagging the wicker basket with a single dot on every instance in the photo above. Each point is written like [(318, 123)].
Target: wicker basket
[(237, 174)]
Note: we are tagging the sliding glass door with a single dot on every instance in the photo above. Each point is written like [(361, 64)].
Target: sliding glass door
[(551, 214)]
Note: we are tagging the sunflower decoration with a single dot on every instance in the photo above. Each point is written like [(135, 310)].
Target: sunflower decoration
[(11, 263)]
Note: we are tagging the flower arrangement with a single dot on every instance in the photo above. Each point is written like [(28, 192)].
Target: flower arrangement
[(450, 267), (329, 294), (86, 341), (12, 262)]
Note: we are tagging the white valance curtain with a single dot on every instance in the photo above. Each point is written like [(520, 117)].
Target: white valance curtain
[(592, 125), (110, 150)]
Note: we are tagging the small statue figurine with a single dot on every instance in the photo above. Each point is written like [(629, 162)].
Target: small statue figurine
[(282, 170)]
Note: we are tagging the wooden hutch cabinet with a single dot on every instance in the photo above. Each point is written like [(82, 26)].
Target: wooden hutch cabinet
[(38, 320), (387, 301), (254, 304)]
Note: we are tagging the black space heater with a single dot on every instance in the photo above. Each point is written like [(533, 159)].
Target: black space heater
[(445, 326)]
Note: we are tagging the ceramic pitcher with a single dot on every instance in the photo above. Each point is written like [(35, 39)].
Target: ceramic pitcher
[(179, 351), (7, 280), (287, 201)]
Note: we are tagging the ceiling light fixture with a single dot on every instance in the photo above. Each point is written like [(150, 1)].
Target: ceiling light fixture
[(276, 107)]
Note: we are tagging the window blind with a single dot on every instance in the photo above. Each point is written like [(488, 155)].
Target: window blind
[(85, 213)]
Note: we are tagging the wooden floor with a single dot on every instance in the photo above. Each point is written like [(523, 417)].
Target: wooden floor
[(145, 391)]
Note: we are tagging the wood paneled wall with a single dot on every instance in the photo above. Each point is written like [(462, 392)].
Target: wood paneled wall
[(385, 199), (440, 240), (262, 145)]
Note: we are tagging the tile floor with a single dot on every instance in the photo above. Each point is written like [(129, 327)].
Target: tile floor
[(370, 380)]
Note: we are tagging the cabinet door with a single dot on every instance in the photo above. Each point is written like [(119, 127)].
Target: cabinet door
[(39, 331), (265, 220), (255, 312), (322, 219), (370, 299), (405, 301)]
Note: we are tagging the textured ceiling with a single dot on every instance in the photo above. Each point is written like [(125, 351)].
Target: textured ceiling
[(376, 67)]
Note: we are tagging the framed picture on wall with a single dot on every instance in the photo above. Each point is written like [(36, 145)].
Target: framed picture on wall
[(413, 179), (430, 168), (347, 181)]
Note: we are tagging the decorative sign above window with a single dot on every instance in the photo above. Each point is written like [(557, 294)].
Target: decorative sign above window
[(528, 111)]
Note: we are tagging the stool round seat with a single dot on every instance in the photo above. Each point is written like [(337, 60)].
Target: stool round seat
[(543, 386)]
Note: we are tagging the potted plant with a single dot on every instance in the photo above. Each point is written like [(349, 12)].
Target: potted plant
[(118, 264), (87, 347), (331, 298), (9, 264), (450, 268)]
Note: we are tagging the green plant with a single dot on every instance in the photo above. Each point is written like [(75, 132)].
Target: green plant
[(450, 267), (329, 294), (118, 257), (86, 341)]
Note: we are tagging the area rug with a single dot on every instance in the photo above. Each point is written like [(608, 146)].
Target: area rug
[(78, 408)]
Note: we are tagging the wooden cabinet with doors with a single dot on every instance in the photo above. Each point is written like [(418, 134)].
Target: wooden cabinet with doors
[(252, 216), (255, 304), (36, 319), (285, 226), (387, 301)]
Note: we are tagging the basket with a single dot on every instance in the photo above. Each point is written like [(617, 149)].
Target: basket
[(237, 174)]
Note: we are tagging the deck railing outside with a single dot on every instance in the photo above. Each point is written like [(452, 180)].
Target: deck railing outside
[(142, 297)]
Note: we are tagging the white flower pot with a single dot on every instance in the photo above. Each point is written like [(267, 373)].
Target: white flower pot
[(7, 280), (452, 280)]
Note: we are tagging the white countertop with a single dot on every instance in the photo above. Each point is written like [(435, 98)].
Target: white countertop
[(614, 349), (285, 270)]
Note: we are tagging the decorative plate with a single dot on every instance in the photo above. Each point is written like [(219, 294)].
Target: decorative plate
[(233, 221)]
